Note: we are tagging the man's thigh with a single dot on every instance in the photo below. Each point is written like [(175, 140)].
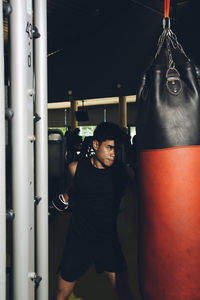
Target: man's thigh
[(75, 262), (110, 258)]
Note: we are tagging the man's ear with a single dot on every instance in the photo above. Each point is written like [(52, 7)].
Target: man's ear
[(95, 144)]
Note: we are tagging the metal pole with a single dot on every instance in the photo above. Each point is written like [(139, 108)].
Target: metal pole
[(40, 11), (122, 112), (105, 115), (2, 167), (22, 140), (74, 108)]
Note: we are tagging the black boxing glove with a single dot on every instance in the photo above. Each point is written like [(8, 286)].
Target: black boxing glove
[(59, 203)]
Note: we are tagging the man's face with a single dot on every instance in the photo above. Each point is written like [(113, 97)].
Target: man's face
[(105, 152)]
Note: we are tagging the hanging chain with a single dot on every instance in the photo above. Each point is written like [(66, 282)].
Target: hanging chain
[(176, 44), (171, 62), (171, 40), (169, 37)]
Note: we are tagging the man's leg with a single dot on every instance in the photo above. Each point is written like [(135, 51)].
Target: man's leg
[(64, 289), (119, 282)]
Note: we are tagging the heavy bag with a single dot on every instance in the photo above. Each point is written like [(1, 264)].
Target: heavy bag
[(168, 137)]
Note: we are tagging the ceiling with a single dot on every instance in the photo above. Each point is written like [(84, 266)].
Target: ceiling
[(100, 48), (73, 21)]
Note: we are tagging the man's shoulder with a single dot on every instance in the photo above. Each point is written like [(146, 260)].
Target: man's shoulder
[(72, 167), (119, 165), (81, 163), (126, 173), (119, 170)]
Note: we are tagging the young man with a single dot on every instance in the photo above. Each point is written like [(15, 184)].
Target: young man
[(97, 187)]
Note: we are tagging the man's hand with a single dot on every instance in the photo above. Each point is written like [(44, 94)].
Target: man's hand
[(59, 204), (63, 201)]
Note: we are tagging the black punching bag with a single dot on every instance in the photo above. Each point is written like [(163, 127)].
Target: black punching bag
[(168, 136)]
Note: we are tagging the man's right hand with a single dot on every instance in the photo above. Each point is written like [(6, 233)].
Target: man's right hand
[(58, 204), (61, 202)]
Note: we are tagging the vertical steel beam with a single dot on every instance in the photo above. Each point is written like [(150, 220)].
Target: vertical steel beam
[(105, 115), (22, 140), (74, 108), (2, 167), (40, 11), (122, 112)]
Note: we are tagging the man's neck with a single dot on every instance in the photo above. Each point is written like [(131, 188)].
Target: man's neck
[(97, 163)]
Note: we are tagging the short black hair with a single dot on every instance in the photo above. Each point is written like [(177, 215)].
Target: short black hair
[(108, 131)]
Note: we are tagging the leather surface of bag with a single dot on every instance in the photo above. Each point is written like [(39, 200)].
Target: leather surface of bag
[(168, 104), (168, 138)]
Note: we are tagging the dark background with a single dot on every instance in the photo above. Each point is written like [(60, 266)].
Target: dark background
[(95, 45)]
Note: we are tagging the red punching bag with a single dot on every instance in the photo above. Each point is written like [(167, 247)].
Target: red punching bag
[(168, 137)]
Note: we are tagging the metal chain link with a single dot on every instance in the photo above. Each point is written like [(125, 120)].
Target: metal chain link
[(171, 62), (171, 39), (176, 44)]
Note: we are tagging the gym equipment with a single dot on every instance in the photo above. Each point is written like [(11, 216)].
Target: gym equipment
[(58, 204), (56, 162), (22, 150), (168, 136)]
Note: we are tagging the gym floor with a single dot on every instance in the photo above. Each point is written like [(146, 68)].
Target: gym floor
[(93, 286)]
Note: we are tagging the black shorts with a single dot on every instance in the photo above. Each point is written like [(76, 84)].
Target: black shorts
[(80, 255)]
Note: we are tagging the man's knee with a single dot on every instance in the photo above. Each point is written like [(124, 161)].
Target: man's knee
[(61, 295), (64, 289), (120, 284)]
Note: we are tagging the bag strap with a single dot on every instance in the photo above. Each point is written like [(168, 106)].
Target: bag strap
[(166, 9)]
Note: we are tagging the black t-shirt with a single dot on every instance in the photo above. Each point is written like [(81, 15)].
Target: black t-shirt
[(97, 197)]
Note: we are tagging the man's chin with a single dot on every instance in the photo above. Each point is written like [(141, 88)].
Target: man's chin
[(109, 163)]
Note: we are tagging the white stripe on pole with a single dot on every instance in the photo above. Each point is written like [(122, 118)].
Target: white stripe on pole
[(40, 11), (2, 167), (22, 148)]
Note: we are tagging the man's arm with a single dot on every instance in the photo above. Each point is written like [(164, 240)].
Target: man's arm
[(71, 170), (61, 202)]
